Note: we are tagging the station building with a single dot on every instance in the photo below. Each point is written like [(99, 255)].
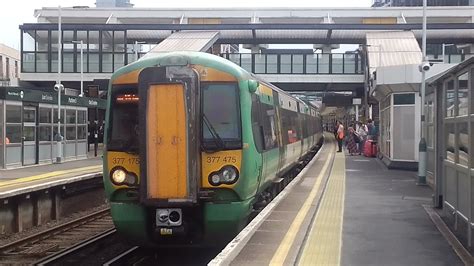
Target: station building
[(450, 139), (28, 126)]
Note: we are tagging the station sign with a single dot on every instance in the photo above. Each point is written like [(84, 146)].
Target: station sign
[(37, 96), (356, 101)]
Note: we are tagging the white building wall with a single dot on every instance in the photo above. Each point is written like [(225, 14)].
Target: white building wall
[(9, 66)]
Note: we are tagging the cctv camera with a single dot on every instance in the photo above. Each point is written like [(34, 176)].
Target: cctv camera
[(425, 66), (58, 87)]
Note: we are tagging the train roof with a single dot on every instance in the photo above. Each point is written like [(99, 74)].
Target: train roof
[(185, 58)]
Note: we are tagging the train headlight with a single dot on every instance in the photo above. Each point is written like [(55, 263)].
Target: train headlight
[(227, 175), (119, 176), (215, 179)]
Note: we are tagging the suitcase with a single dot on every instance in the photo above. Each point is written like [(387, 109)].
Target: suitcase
[(370, 148)]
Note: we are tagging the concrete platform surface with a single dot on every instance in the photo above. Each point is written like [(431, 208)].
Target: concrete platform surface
[(356, 213), (22, 180)]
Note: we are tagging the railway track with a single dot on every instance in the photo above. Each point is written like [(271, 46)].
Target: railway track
[(60, 239)]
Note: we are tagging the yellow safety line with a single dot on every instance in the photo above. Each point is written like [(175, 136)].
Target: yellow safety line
[(324, 243), (48, 175), (282, 252)]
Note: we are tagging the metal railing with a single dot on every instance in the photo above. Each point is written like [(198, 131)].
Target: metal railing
[(334, 63), (449, 58)]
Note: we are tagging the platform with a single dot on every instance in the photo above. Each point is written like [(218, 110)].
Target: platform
[(344, 210), (27, 179)]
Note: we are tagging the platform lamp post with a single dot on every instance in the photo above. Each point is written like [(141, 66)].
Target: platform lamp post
[(82, 66), (59, 87), (425, 66)]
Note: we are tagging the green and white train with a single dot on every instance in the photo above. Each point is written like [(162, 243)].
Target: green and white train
[(194, 143)]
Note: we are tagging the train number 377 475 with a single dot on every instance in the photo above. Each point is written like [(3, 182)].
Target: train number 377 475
[(218, 159)]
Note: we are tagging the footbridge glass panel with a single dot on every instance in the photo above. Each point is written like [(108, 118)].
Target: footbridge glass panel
[(298, 63)]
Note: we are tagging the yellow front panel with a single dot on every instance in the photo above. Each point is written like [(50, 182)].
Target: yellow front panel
[(212, 162), (166, 142)]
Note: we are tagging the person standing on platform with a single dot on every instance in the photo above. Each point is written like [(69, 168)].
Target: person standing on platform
[(339, 135), (362, 132), (351, 141), (370, 130)]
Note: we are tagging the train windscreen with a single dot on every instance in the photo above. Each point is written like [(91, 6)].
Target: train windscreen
[(123, 121), (221, 116)]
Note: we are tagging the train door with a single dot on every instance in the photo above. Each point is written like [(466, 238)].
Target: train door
[(169, 134)]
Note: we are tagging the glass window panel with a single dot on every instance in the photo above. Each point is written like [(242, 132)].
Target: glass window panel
[(55, 116), (349, 63), (93, 63), (28, 41), (29, 115), (106, 63), (259, 63), (107, 41), (311, 63), (119, 61), (246, 62), (81, 35), (463, 143), (450, 139), (13, 134), (430, 136), (403, 99), (55, 130), (337, 63), (449, 99), (81, 117), (13, 114), (272, 63), (71, 132), (42, 40), (130, 58), (84, 61), (29, 133), (68, 37), (93, 41), (298, 63), (429, 111), (54, 41), (45, 133), (235, 58), (71, 116), (119, 41), (285, 63), (28, 62), (68, 62), (45, 115), (324, 63), (54, 62), (41, 62), (81, 132), (463, 94)]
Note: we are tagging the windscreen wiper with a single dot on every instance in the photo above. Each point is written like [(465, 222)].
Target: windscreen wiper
[(215, 136)]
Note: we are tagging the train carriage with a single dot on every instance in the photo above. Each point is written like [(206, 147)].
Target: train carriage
[(194, 144)]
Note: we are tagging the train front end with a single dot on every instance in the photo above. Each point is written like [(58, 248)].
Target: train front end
[(173, 165)]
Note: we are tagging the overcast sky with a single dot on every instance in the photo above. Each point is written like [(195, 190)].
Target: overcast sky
[(17, 12)]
